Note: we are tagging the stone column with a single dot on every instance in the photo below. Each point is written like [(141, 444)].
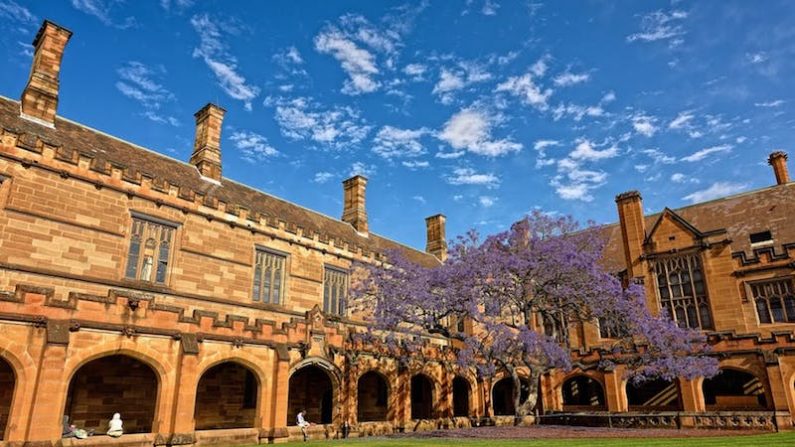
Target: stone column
[(187, 381), (45, 421), (615, 392), (778, 392), (692, 399)]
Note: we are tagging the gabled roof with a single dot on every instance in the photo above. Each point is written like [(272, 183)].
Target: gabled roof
[(669, 213), (137, 161)]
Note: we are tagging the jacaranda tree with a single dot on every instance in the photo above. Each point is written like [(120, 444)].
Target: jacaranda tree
[(521, 292)]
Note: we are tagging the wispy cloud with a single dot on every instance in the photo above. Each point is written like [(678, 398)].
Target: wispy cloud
[(659, 157), (487, 201), (215, 53), (14, 12), (101, 9), (585, 151), (470, 129), (138, 82), (322, 177), (179, 5), (660, 25), (644, 124), (392, 142), (356, 61), (416, 164), (364, 169), (704, 153), (568, 78), (716, 190), (525, 88), (253, 146), (770, 104), (336, 127), (468, 176), (452, 79)]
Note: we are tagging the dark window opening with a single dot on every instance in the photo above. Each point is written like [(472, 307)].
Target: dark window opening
[(761, 237)]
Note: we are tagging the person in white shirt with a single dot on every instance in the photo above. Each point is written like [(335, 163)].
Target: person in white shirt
[(115, 426), (302, 422)]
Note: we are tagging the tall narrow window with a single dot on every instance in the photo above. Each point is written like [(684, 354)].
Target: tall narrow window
[(268, 277), (150, 249), (335, 291), (775, 302), (680, 282)]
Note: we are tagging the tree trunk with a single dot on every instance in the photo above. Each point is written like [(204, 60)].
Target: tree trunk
[(526, 407)]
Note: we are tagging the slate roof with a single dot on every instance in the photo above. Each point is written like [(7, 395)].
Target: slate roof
[(138, 161)]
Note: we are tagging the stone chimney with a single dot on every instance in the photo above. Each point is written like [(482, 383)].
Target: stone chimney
[(633, 230), (354, 211), (436, 236), (778, 160), (207, 145), (40, 98)]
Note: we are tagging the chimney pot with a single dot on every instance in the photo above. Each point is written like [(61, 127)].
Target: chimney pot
[(633, 230), (39, 100), (436, 236), (778, 160), (207, 144), (354, 211)]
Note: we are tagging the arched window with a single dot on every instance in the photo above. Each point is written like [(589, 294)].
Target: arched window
[(226, 397), (113, 384), (502, 396), (421, 397), (582, 393), (461, 393), (311, 390), (734, 390), (7, 385), (373, 397), (654, 395)]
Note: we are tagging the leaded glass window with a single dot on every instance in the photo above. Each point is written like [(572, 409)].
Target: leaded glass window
[(150, 250), (335, 291), (775, 302), (268, 277), (683, 294)]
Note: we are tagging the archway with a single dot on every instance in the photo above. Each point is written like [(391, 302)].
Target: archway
[(583, 393), (654, 395), (461, 393), (421, 397), (502, 396), (372, 397), (734, 390), (113, 384), (311, 390), (7, 384), (226, 397)]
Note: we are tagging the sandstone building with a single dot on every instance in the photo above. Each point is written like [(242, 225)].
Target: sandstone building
[(205, 311)]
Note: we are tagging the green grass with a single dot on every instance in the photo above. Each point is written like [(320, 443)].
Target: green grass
[(767, 440)]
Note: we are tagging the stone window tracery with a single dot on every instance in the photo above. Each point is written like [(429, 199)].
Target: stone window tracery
[(682, 290), (268, 277), (335, 291), (775, 302), (150, 249)]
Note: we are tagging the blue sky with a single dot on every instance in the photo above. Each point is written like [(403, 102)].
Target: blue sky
[(481, 110)]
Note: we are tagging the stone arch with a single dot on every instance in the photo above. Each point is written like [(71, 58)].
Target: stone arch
[(312, 386), (583, 392), (227, 396), (734, 389), (654, 395), (115, 383), (502, 402), (23, 368), (8, 384), (372, 396), (423, 396), (462, 397)]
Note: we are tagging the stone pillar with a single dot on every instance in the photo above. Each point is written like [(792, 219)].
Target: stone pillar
[(615, 392), (692, 399), (403, 399), (40, 98), (45, 421), (778, 392), (184, 424), (278, 396)]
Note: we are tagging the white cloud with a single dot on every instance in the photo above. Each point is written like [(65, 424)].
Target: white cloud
[(659, 157), (415, 71), (178, 4), (454, 79), (357, 62), (644, 124), (392, 142), (577, 112), (681, 121), (322, 177), (420, 199), (470, 129), (360, 168), (15, 12), (490, 8), (253, 146), (303, 119), (525, 88), (137, 82), (101, 10), (659, 25), (575, 183), (214, 52), (540, 66), (568, 78), (468, 176), (487, 201), (585, 152), (291, 62), (716, 190), (756, 58), (703, 153), (540, 145), (770, 104), (641, 168), (415, 164), (678, 177), (608, 97), (448, 81)]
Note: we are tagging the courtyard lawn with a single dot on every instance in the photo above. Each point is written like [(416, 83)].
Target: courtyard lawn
[(766, 440)]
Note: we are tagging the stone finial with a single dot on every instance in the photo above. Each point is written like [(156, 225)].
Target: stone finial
[(39, 100), (207, 144), (354, 211), (778, 160), (436, 241)]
